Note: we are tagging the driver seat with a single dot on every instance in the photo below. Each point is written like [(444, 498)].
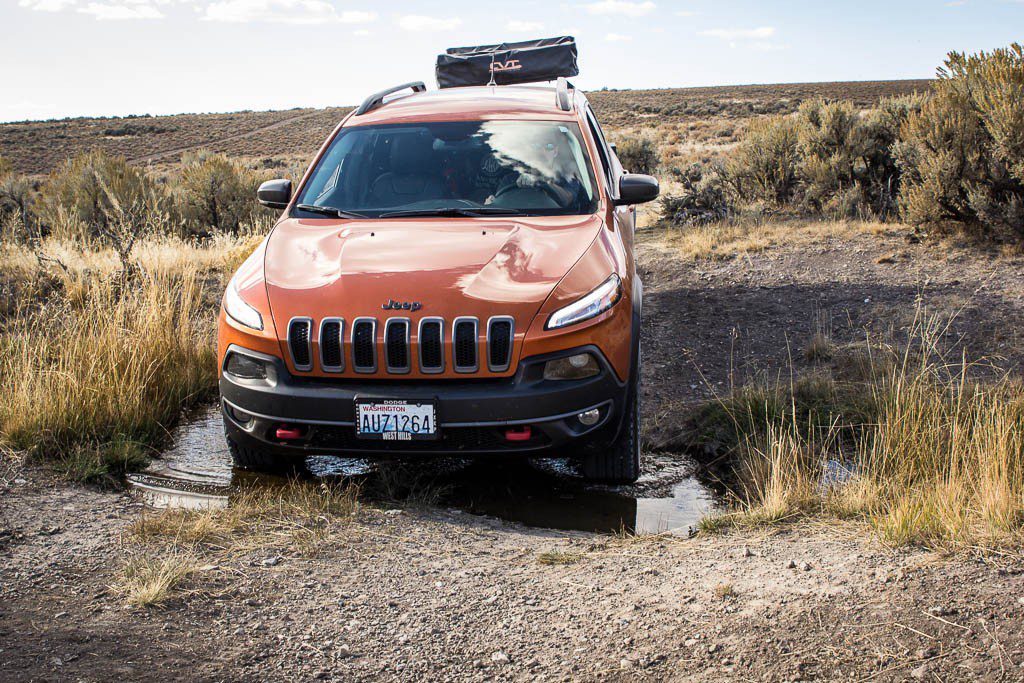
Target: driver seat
[(412, 177)]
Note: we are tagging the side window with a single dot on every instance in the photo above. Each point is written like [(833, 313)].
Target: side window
[(602, 150)]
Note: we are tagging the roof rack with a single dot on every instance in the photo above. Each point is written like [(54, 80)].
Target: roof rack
[(562, 94), (377, 98)]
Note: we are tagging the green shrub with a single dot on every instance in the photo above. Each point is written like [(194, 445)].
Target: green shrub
[(216, 193), (962, 155), (638, 154), (763, 167), (16, 200), (704, 198), (847, 168), (94, 195)]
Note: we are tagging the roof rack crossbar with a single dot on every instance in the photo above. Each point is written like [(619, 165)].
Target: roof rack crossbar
[(562, 94), (377, 98)]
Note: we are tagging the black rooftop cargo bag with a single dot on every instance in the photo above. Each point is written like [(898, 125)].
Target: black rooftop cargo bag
[(527, 62)]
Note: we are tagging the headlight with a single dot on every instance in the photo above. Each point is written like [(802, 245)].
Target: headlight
[(593, 304), (240, 311)]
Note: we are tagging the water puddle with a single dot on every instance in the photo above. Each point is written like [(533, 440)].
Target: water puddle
[(196, 473)]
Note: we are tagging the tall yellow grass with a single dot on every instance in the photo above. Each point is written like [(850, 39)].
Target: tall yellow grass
[(938, 461), (105, 366)]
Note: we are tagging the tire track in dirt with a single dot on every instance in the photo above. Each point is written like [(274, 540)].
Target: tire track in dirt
[(157, 156)]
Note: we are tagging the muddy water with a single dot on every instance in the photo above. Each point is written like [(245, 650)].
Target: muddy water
[(196, 472)]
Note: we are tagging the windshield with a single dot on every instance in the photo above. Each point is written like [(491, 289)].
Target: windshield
[(453, 168)]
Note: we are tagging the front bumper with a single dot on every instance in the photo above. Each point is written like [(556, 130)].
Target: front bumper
[(473, 414)]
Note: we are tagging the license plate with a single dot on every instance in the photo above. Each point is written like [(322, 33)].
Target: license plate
[(396, 420)]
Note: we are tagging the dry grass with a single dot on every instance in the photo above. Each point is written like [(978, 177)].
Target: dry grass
[(931, 457), (292, 519), (97, 363), (109, 364), (729, 239), (159, 256), (559, 557), (724, 591), (147, 581), (297, 514)]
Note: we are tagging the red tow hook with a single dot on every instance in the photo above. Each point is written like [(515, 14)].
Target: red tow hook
[(286, 433), (518, 433)]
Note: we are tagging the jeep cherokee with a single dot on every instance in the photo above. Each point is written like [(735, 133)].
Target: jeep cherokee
[(454, 274)]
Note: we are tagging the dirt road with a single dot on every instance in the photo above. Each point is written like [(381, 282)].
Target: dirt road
[(429, 594), (413, 592)]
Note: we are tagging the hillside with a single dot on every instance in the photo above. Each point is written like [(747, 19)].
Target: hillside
[(37, 146)]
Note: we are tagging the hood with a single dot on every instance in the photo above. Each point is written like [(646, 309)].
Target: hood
[(452, 267)]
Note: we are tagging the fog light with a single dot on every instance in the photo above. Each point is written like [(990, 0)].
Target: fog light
[(589, 418), (245, 367), (579, 366), (242, 418)]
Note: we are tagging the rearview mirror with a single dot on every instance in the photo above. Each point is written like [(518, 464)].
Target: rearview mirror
[(275, 193), (636, 188)]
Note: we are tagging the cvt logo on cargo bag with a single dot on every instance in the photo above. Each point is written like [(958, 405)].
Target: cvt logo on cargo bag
[(510, 65), (393, 305)]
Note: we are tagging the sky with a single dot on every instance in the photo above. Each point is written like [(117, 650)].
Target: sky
[(66, 58)]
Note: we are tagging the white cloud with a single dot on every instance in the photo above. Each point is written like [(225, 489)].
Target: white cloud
[(685, 13), (46, 5), (617, 38), (519, 26), (125, 11), (418, 22), (284, 12), (621, 7), (740, 33), (360, 32)]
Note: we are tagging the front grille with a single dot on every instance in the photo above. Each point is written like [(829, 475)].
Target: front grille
[(500, 333), (337, 346), (431, 344), (396, 344), (464, 342), (364, 345), (332, 345), (298, 343)]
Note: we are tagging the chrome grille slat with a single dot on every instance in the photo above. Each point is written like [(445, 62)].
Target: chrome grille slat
[(430, 343), (501, 331), (396, 345), (465, 343), (299, 343), (332, 344), (364, 345)]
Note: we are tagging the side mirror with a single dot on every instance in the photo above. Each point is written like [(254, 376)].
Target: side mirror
[(636, 188), (275, 193)]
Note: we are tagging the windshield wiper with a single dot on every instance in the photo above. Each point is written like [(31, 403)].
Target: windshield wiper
[(328, 211), (456, 211)]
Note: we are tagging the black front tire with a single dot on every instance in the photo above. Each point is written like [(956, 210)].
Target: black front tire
[(258, 460), (618, 461)]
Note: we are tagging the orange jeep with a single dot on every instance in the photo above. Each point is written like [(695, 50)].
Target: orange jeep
[(454, 274)]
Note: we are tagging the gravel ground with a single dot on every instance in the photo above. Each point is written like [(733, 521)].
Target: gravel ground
[(430, 593)]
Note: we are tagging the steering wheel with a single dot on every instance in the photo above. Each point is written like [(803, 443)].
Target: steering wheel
[(544, 186)]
